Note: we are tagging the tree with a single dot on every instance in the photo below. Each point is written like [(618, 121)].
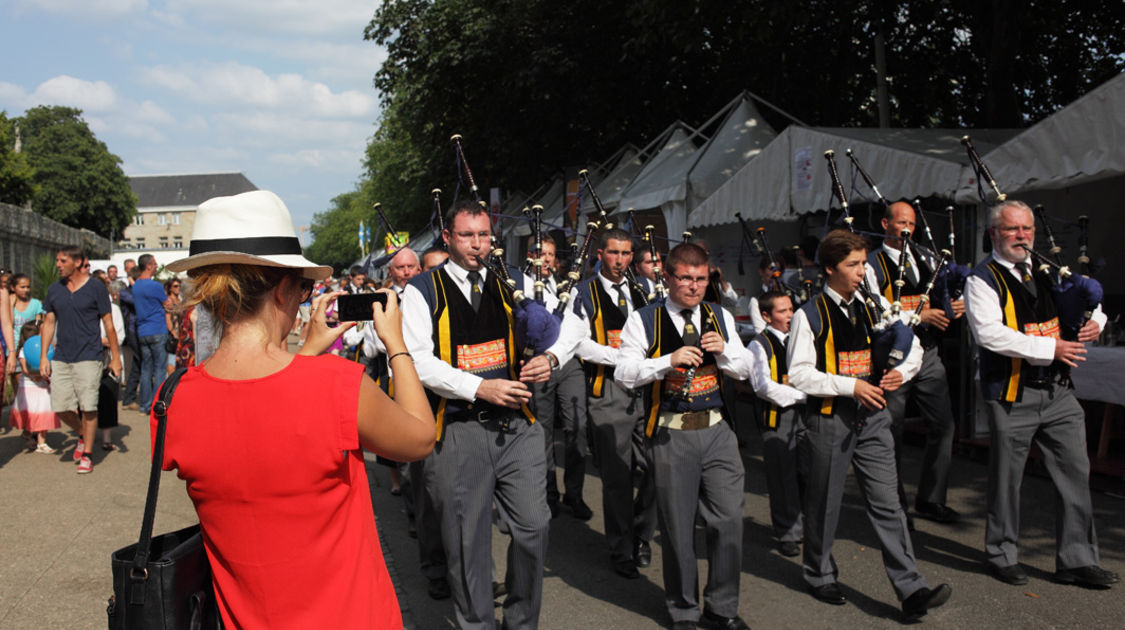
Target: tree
[(16, 176), (536, 86), (335, 231), (80, 182)]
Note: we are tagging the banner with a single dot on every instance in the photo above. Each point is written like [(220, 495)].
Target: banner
[(398, 240)]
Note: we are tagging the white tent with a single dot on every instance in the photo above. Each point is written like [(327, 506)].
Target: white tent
[(1082, 142), (741, 136), (662, 183), (790, 176)]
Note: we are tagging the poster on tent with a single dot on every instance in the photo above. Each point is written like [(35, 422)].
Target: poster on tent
[(802, 167)]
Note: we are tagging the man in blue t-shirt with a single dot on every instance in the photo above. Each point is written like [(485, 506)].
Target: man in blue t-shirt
[(76, 306), (152, 329)]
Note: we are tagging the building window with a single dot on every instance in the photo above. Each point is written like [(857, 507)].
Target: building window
[(139, 219), (140, 243), (178, 243), (163, 242), (175, 218), (162, 219)]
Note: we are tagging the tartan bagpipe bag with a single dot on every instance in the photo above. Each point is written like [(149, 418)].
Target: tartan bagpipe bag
[(162, 582)]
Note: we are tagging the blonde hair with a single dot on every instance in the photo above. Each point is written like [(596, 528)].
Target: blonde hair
[(231, 292)]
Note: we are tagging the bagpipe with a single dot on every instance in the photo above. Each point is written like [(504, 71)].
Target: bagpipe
[(536, 328), (661, 290), (535, 266), (631, 277), (1077, 296), (948, 277), (757, 240), (891, 339)]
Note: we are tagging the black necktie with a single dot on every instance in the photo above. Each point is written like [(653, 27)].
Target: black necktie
[(691, 335), (852, 309), (1026, 279), (911, 271), (474, 290), (621, 303)]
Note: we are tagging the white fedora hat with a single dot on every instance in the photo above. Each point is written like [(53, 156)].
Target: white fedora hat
[(253, 228)]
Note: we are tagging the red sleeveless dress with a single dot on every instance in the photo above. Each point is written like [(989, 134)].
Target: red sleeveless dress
[(276, 473)]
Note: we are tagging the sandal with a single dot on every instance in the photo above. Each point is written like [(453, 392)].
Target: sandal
[(108, 447)]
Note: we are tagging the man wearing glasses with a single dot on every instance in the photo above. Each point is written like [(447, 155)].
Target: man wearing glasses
[(490, 449), (681, 346), (1025, 377)]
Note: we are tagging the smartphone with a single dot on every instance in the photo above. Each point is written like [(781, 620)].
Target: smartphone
[(357, 307)]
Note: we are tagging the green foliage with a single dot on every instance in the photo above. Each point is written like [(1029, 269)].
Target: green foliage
[(43, 275), (16, 175), (535, 86), (81, 183), (335, 231)]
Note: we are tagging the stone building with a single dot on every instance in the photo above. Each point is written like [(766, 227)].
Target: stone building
[(166, 206)]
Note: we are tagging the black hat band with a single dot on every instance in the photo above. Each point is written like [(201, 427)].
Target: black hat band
[(255, 246)]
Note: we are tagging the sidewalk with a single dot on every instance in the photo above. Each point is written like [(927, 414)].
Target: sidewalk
[(58, 528)]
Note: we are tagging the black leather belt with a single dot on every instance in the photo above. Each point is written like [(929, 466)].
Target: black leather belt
[(501, 417)]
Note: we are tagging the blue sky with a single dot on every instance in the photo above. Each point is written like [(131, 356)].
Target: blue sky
[(280, 90)]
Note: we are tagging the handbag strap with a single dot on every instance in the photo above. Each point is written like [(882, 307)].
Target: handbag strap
[(160, 408)]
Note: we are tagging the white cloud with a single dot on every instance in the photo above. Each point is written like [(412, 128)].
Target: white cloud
[(269, 16), (88, 8), (274, 130), (346, 160), (235, 84), (92, 96)]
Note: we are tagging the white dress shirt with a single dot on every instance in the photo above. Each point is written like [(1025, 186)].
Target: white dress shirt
[(578, 326), (634, 370), (986, 320), (802, 357), (765, 387), (417, 327), (756, 319)]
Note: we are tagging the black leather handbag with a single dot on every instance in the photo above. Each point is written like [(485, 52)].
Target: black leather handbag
[(162, 582)]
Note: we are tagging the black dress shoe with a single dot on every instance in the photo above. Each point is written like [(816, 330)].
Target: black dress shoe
[(936, 512), (829, 594), (915, 606), (626, 568), (581, 511), (788, 548), (642, 553), (683, 625), (711, 621), (1011, 574), (1092, 576), (439, 588)]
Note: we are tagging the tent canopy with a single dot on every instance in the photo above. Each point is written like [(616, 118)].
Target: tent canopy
[(790, 177), (1079, 143)]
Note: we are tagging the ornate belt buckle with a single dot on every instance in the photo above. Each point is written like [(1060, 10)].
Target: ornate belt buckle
[(695, 420)]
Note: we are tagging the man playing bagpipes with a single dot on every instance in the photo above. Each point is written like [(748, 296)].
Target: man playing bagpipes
[(682, 347), (1018, 319), (930, 387)]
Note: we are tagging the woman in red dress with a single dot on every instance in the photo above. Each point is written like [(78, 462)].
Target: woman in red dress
[(272, 464)]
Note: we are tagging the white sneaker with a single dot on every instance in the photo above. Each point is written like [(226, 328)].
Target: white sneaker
[(44, 448), (85, 466)]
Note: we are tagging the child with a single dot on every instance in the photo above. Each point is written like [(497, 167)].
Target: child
[(31, 410), (783, 425), (848, 425)]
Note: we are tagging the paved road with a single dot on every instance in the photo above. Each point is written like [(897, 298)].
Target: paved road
[(58, 528)]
